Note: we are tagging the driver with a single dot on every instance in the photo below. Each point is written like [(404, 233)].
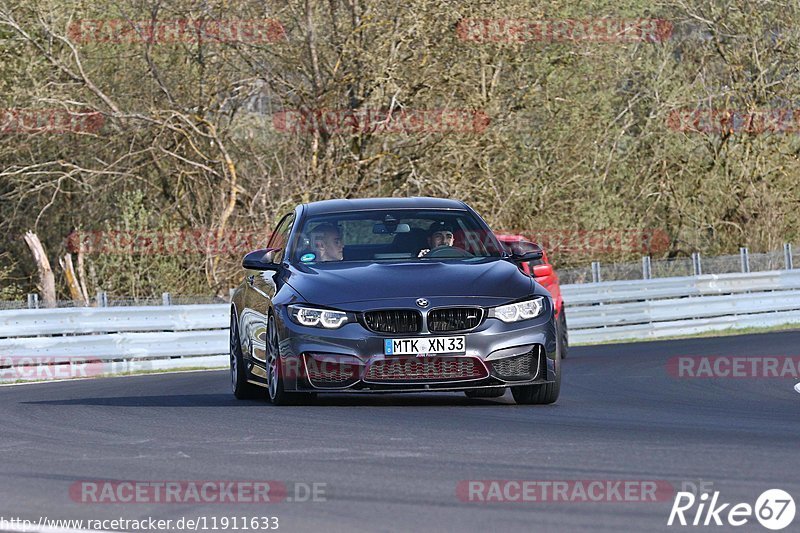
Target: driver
[(440, 234), (327, 242)]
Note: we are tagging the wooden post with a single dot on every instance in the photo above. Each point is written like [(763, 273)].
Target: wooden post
[(75, 245), (47, 282), (82, 276), (72, 281)]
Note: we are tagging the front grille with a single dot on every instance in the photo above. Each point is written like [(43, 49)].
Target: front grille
[(454, 319), (328, 372), (393, 321), (518, 367), (425, 369)]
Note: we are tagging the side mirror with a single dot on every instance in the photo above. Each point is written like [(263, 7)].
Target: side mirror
[(542, 271), (524, 251), (261, 259)]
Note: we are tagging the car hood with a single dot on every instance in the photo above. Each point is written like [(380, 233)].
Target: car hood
[(494, 280)]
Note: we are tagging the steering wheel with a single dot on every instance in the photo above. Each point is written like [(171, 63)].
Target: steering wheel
[(448, 252)]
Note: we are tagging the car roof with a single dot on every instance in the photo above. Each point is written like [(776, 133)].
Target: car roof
[(361, 204)]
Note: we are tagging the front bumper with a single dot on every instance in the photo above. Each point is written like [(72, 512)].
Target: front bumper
[(352, 359)]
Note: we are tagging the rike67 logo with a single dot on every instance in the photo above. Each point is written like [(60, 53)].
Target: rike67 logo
[(774, 509)]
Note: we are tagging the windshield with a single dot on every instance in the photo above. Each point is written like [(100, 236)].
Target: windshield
[(395, 235)]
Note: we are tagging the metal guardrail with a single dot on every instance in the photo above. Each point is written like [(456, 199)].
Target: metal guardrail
[(665, 307), (36, 322), (660, 288), (177, 336), (655, 311), (116, 346), (100, 340)]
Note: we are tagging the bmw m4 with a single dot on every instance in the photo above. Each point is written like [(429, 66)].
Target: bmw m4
[(389, 295)]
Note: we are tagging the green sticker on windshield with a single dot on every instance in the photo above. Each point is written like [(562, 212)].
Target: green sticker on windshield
[(305, 258)]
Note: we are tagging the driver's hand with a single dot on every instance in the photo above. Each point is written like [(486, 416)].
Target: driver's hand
[(424, 252)]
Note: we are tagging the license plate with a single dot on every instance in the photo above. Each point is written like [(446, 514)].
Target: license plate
[(424, 345)]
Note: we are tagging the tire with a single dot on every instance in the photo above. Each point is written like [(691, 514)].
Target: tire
[(543, 394), (242, 389), (562, 333), (485, 393), (275, 391)]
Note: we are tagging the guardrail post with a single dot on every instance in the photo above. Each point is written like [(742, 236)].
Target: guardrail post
[(33, 301), (697, 265), (166, 299), (787, 255), (745, 257), (102, 299), (647, 271), (596, 272)]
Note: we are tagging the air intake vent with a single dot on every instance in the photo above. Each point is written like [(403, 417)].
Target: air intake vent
[(525, 366), (331, 370), (425, 369)]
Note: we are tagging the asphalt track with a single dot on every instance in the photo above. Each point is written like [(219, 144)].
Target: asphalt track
[(393, 462)]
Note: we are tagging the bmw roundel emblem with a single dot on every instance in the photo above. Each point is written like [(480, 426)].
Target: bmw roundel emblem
[(422, 302)]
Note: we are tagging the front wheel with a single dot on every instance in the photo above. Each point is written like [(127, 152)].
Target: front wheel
[(543, 394), (275, 378), (562, 335), (277, 396)]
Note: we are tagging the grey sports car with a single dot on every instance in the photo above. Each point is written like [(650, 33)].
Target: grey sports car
[(391, 295)]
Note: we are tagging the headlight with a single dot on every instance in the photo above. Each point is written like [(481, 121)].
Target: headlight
[(318, 318), (519, 311)]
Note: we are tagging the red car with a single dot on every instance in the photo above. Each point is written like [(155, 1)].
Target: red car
[(545, 275)]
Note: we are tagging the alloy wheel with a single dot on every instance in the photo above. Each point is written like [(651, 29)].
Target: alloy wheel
[(272, 359)]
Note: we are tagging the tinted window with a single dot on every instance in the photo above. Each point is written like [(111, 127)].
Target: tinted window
[(394, 235)]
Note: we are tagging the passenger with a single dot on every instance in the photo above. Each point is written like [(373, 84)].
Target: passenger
[(440, 234), (327, 242)]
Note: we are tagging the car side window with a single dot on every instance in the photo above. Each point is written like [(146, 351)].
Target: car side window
[(280, 237)]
